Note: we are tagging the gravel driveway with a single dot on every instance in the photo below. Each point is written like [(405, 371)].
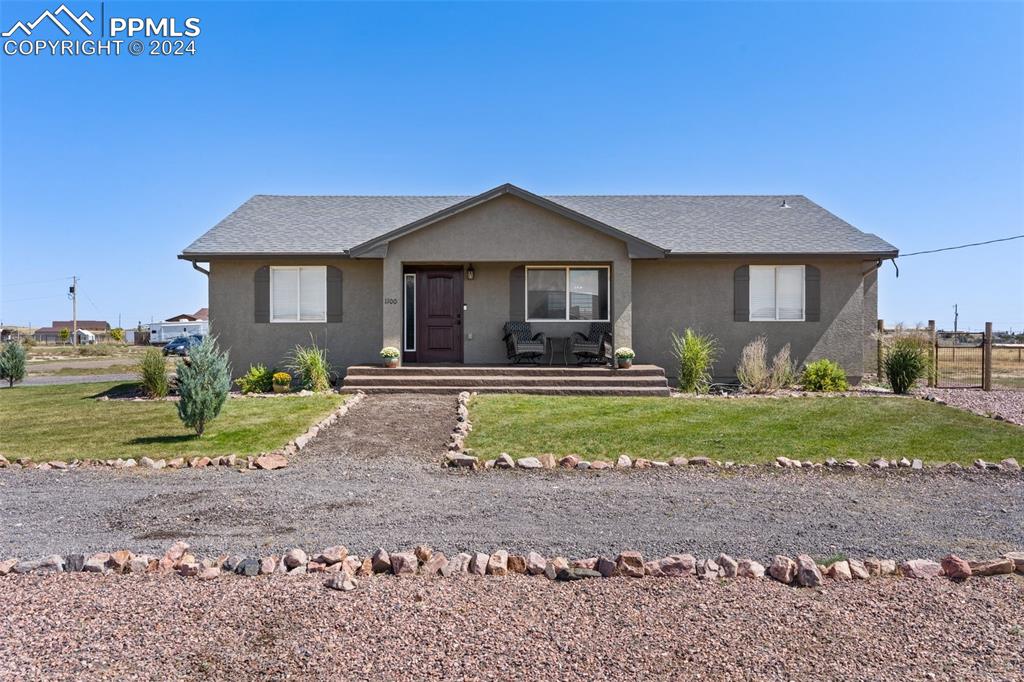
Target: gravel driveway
[(374, 479), (81, 626)]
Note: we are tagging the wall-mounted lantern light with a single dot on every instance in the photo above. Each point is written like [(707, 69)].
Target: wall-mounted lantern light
[(470, 272)]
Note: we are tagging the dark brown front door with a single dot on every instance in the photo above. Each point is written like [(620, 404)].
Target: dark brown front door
[(439, 316)]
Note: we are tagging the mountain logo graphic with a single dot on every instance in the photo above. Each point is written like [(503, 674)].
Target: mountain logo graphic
[(52, 16)]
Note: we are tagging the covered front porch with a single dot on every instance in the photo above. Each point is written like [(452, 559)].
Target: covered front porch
[(640, 380)]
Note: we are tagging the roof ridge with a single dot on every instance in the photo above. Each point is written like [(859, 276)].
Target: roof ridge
[(454, 196)]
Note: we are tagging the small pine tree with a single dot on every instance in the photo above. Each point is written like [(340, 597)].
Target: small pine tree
[(65, 334), (204, 379), (12, 362)]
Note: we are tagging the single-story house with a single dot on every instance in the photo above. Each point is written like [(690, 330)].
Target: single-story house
[(89, 331), (439, 276)]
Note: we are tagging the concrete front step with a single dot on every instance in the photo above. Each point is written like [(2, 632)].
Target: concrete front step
[(625, 391), (469, 381), (502, 370)]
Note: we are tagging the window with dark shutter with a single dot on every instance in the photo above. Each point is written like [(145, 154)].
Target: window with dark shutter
[(741, 294), (262, 294), (333, 294), (812, 286)]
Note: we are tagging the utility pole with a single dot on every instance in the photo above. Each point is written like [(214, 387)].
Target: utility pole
[(73, 292)]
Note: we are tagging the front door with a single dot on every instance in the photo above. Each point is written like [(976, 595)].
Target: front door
[(439, 316)]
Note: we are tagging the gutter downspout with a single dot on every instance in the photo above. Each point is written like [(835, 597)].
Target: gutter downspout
[(195, 265)]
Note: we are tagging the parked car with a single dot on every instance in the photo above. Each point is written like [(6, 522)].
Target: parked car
[(182, 344)]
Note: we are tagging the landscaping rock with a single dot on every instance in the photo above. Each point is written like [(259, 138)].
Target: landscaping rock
[(782, 569), (435, 564), (74, 562), (517, 563), (840, 570), (461, 460), (570, 573), (589, 562), (569, 461), (879, 463), (497, 564), (996, 567), (956, 568), (535, 563), (786, 462), (600, 464), (504, 461), (1010, 464), (332, 555), (678, 462), (1018, 560), (677, 565), (630, 564), (701, 461), (653, 569), (807, 572), (423, 553), (7, 566), (547, 461), (252, 566), (606, 567), (50, 564), (582, 465), (748, 568), (97, 563), (268, 565), (917, 464), (624, 462), (642, 463), (559, 562), (118, 561), (858, 570), (341, 582), (380, 562), (528, 463), (404, 563), (294, 558), (727, 566), (923, 569), (478, 564), (271, 462), (176, 463)]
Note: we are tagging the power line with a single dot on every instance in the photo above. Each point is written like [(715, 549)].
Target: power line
[(962, 246), (38, 281), (32, 298)]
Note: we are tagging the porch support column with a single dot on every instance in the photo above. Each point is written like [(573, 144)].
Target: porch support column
[(392, 302), (622, 302)]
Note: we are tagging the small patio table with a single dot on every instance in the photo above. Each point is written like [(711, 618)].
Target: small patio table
[(551, 342)]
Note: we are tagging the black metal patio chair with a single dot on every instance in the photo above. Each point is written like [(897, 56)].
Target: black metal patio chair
[(522, 344), (594, 347)]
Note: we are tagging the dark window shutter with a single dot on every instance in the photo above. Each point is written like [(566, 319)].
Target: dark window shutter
[(262, 294), (741, 294), (517, 294), (812, 293), (333, 294)]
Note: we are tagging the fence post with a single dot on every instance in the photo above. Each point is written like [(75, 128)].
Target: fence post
[(986, 377), (933, 355), (878, 349)]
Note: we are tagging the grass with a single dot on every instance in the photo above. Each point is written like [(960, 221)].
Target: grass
[(67, 422), (748, 430)]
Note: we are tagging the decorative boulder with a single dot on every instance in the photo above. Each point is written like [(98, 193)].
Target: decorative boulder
[(807, 572), (782, 569)]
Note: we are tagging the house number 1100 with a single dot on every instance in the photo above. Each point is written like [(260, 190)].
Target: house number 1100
[(390, 301)]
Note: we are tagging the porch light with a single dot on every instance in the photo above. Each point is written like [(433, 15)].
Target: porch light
[(470, 272)]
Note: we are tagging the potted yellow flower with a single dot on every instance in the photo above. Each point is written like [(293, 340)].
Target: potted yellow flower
[(624, 357), (282, 382), (390, 355)]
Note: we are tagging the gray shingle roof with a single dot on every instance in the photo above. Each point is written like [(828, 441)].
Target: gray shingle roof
[(267, 224)]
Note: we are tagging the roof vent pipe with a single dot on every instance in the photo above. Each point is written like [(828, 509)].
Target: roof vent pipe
[(785, 204)]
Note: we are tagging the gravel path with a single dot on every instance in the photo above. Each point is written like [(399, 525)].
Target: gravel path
[(80, 626), (374, 479), (1007, 404), (58, 379)]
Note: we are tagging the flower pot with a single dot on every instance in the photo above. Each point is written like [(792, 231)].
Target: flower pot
[(281, 388), (391, 362), (625, 363)]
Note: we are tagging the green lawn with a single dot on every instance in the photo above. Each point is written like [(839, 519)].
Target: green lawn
[(741, 430), (67, 422)]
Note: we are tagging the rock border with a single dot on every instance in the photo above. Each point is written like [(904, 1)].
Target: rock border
[(277, 459), (459, 456), (343, 568)]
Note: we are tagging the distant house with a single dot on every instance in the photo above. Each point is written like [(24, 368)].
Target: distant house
[(180, 325), (90, 331)]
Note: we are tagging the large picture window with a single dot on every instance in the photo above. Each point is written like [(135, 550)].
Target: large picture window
[(567, 294), (298, 294), (776, 293)]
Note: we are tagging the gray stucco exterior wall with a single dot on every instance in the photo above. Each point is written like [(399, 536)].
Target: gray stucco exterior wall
[(232, 319), (672, 294)]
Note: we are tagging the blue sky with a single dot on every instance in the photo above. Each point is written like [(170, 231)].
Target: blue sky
[(907, 120)]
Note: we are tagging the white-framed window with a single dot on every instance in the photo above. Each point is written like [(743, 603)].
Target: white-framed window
[(298, 293), (410, 311), (777, 293), (567, 293)]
